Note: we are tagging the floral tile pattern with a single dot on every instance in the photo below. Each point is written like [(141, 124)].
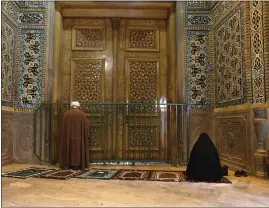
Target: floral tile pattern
[(199, 19), (221, 9), (200, 5), (195, 4), (23, 85), (31, 66), (257, 53), (31, 18), (229, 60), (8, 37), (197, 68), (33, 4), (11, 9)]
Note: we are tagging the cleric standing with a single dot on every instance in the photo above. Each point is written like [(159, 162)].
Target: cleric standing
[(74, 139)]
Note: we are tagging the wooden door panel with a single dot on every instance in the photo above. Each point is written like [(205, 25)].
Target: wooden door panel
[(142, 67), (87, 74)]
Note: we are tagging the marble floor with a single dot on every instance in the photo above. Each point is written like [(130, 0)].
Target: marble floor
[(243, 192)]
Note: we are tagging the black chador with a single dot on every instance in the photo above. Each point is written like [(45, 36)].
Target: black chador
[(204, 164)]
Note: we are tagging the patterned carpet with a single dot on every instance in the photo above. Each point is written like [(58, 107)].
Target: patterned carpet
[(133, 175), (60, 174), (172, 176), (104, 174), (26, 173), (222, 180)]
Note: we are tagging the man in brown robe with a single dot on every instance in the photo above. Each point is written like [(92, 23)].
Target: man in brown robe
[(74, 151)]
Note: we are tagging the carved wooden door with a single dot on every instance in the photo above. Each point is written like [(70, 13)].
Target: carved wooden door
[(87, 60), (112, 61), (87, 75), (141, 78)]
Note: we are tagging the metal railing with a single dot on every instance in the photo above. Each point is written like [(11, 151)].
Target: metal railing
[(133, 132)]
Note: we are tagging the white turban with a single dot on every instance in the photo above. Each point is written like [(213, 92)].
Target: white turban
[(75, 103)]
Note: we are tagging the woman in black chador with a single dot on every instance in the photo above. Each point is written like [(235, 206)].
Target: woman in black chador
[(204, 164)]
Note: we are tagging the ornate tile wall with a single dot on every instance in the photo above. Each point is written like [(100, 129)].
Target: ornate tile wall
[(20, 12), (197, 25), (199, 19), (257, 52), (229, 59), (221, 9), (197, 69), (23, 56), (31, 4), (8, 38), (31, 18), (200, 5), (11, 8), (30, 70), (23, 25), (195, 4)]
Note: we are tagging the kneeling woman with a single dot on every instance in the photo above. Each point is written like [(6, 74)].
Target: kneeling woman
[(204, 164)]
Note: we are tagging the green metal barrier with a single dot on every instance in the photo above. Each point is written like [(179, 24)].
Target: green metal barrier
[(120, 132)]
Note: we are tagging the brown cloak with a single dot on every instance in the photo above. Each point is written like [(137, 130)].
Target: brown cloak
[(74, 145)]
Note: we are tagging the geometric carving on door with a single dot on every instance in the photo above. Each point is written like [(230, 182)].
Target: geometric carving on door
[(87, 80), (142, 77), (142, 137), (88, 38), (96, 136), (142, 39)]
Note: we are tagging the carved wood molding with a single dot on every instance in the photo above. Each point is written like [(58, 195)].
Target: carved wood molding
[(115, 5), (127, 13), (157, 10), (88, 38), (115, 23)]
